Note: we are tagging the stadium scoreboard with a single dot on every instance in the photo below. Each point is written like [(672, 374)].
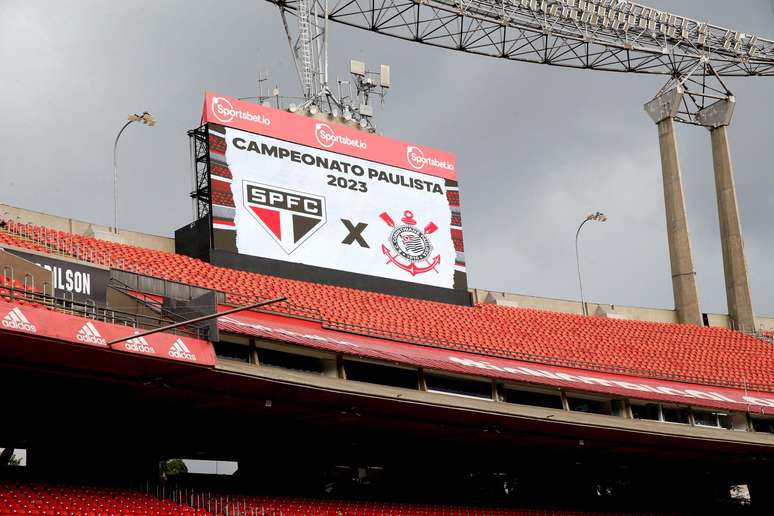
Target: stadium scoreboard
[(310, 191)]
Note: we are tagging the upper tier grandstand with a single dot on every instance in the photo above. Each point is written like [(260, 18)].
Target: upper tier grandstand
[(347, 388), (703, 355)]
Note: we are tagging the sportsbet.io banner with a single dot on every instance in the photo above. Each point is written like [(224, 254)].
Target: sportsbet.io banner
[(296, 189)]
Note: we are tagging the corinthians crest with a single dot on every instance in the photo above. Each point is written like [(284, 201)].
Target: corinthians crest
[(410, 245)]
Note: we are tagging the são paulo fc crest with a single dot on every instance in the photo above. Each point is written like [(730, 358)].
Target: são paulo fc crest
[(408, 247), (288, 216)]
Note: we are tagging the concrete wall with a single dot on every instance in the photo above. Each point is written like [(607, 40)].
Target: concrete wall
[(574, 307), (80, 227), (602, 310)]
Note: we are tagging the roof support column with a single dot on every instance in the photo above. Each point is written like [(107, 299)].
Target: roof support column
[(717, 118), (662, 110)]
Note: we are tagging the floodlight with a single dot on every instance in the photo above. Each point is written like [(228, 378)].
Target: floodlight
[(313, 109), (363, 123), (292, 108), (147, 119)]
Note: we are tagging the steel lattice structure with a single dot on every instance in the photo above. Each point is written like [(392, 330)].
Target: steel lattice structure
[(609, 35)]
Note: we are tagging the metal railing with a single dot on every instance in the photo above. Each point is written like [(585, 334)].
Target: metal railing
[(65, 303), (57, 243)]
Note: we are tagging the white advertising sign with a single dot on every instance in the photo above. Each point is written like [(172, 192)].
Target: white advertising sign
[(310, 206)]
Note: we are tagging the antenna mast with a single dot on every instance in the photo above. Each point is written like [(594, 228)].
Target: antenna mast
[(310, 54)]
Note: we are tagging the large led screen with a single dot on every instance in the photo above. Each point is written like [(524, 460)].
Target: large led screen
[(311, 191)]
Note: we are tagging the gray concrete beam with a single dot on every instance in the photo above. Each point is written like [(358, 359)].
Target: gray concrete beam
[(740, 307), (680, 256), (662, 111)]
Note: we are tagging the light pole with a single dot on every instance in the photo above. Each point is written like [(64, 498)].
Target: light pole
[(147, 119), (596, 217)]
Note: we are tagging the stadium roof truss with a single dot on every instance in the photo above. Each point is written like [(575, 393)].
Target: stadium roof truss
[(609, 35)]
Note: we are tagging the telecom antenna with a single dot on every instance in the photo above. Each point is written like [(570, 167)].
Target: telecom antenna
[(309, 47)]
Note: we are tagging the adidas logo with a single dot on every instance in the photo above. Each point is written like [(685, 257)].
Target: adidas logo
[(16, 320), (180, 350), (89, 334), (140, 345)]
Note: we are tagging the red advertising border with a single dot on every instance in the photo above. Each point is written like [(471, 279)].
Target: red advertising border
[(312, 334), (327, 135), (29, 320)]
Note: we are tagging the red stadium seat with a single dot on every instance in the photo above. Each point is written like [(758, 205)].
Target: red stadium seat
[(715, 356)]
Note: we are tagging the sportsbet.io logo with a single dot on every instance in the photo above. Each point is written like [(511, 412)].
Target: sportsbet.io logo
[(327, 137), (416, 158), (224, 111)]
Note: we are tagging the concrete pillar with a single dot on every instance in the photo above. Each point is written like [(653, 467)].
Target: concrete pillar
[(662, 111), (734, 262), (717, 118), (680, 256)]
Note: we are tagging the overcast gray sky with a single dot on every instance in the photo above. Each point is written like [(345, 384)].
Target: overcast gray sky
[(538, 147)]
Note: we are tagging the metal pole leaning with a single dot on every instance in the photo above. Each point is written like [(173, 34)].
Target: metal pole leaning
[(147, 119), (596, 217), (198, 320), (577, 262), (115, 176)]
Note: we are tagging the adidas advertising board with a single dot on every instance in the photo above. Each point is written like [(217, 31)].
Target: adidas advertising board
[(72, 330), (16, 320), (90, 334), (311, 206)]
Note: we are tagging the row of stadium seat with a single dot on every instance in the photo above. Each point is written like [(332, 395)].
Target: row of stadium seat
[(21, 497), (715, 356), (286, 506), (43, 498)]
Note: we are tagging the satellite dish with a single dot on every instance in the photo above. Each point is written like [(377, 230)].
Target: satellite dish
[(313, 110)]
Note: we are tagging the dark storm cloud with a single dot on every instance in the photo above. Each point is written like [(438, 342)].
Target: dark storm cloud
[(538, 147)]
